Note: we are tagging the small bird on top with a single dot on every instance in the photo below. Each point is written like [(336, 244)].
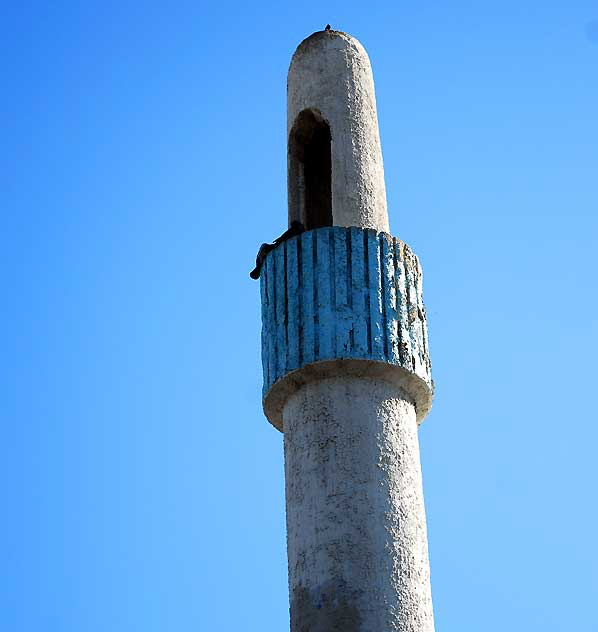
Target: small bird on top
[(327, 27)]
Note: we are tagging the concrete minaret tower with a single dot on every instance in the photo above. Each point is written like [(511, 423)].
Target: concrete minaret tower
[(345, 359)]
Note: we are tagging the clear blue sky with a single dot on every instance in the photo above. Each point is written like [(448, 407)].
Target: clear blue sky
[(143, 161)]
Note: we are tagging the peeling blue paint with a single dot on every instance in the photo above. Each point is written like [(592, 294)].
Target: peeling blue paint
[(337, 292)]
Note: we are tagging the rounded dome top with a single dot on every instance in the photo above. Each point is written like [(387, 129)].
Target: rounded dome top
[(330, 41), (336, 174)]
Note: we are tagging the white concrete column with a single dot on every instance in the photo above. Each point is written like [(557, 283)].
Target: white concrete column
[(331, 75), (346, 362), (356, 527)]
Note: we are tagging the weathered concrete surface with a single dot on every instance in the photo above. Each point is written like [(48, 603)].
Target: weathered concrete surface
[(330, 73), (276, 397), (356, 529), (346, 364)]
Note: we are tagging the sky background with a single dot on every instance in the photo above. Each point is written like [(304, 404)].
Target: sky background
[(143, 161)]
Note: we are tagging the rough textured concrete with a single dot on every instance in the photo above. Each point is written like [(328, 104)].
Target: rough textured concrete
[(346, 364), (330, 74), (356, 530)]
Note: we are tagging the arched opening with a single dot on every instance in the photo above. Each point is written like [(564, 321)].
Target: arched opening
[(310, 171)]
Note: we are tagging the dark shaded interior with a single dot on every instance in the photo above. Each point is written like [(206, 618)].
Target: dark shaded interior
[(309, 146)]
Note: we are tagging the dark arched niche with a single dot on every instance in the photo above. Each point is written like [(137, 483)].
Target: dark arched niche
[(310, 171)]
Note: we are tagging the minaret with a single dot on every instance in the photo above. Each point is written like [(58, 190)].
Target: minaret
[(345, 360)]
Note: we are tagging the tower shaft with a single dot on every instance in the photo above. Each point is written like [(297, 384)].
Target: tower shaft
[(346, 363), (356, 528)]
